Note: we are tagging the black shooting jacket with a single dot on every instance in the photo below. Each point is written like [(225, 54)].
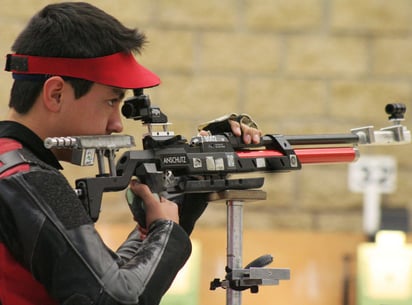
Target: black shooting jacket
[(50, 252)]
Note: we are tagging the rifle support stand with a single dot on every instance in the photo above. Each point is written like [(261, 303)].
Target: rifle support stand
[(237, 278)]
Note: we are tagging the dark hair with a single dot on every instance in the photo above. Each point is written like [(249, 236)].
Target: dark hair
[(70, 29)]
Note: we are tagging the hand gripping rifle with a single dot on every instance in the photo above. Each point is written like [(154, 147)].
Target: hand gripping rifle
[(172, 165)]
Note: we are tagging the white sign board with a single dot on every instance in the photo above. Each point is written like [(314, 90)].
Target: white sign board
[(377, 172)]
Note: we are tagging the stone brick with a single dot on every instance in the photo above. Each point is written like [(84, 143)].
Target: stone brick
[(366, 100), (340, 222), (130, 12), (269, 98), (281, 190), (205, 14), (278, 219), (374, 16), (326, 56), (325, 187), (228, 52), (392, 57), (7, 38), (216, 216), (197, 98), (169, 50), (400, 195), (283, 15), (21, 9), (301, 125)]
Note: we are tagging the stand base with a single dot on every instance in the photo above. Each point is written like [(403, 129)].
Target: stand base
[(253, 275)]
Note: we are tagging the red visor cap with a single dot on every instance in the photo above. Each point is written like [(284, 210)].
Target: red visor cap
[(118, 70)]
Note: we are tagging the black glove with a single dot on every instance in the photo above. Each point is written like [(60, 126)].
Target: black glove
[(222, 125), (191, 207)]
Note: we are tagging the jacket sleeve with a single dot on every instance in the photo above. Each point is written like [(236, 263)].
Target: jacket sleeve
[(58, 243)]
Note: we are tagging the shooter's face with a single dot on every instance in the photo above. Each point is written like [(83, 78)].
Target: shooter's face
[(95, 113)]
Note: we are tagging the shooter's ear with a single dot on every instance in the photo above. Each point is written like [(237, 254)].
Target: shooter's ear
[(52, 92)]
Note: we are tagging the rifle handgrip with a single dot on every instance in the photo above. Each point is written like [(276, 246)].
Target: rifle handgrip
[(137, 207)]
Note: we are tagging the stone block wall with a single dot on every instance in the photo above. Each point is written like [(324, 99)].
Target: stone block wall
[(298, 67)]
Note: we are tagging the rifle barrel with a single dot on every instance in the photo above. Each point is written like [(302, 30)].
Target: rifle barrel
[(308, 155), (323, 139)]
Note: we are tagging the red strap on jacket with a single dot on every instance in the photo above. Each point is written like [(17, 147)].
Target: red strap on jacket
[(7, 145), (17, 285)]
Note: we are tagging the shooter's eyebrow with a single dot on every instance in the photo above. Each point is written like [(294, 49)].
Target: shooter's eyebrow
[(119, 92)]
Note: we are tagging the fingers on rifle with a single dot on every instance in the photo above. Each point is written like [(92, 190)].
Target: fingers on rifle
[(143, 191), (235, 128), (203, 133), (256, 136), (250, 134)]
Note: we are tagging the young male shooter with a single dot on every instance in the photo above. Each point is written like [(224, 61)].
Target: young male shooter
[(72, 65)]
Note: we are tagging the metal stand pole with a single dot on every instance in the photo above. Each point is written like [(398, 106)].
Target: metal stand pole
[(238, 278), (234, 245)]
